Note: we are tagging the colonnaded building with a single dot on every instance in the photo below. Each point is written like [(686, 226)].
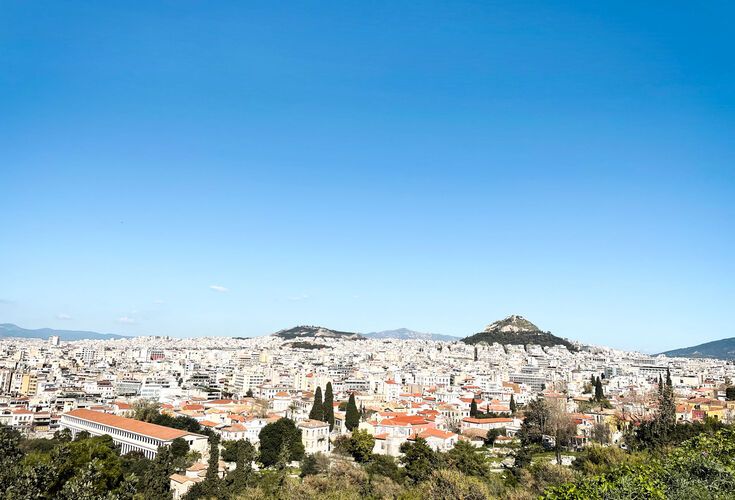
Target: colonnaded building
[(130, 434)]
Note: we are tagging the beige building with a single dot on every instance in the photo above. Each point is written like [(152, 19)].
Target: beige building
[(315, 436)]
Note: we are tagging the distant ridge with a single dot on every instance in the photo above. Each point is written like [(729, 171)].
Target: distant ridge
[(10, 330), (406, 334), (720, 349), (306, 331), (517, 330)]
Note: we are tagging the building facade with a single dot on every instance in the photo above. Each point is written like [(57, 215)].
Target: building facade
[(130, 434)]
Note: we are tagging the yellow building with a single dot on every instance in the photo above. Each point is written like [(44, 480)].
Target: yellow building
[(29, 384)]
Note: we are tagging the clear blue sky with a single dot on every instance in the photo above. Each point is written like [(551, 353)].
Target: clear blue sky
[(369, 165)]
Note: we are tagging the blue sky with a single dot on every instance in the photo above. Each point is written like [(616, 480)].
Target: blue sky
[(369, 165)]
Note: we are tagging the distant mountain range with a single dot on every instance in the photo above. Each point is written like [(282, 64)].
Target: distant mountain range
[(721, 349), (305, 331), (11, 330), (406, 334), (517, 330)]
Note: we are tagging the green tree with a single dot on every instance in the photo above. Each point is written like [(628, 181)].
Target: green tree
[(213, 464), (492, 435), (537, 414), (145, 411), (179, 448), (521, 460), (452, 484), (360, 445), (317, 408), (274, 435), (384, 465), (329, 406), (599, 393), (156, 483), (249, 394), (513, 406), (700, 468), (317, 463), (730, 393), (230, 449), (31, 482), (243, 472), (282, 462), (467, 459), (667, 405), (473, 408), (418, 460), (10, 455), (352, 416)]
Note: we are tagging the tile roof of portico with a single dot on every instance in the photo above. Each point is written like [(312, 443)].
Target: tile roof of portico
[(131, 425)]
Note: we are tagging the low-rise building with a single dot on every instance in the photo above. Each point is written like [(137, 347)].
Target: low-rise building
[(315, 436), (130, 434)]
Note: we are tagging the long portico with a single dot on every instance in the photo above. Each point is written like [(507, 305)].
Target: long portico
[(130, 434)]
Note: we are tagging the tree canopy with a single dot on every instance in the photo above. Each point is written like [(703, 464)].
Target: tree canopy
[(273, 436)]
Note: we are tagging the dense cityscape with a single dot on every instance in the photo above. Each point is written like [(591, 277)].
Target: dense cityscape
[(308, 402), (371, 250)]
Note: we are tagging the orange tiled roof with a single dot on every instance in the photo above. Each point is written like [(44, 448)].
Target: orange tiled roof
[(435, 433), (234, 428), (404, 420), (193, 407), (131, 425), (184, 479), (500, 420)]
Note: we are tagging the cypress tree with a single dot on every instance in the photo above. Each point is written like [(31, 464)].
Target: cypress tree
[(213, 466), (473, 408), (513, 407), (329, 406), (317, 409), (244, 465), (282, 463), (156, 483), (599, 393), (669, 406), (352, 415)]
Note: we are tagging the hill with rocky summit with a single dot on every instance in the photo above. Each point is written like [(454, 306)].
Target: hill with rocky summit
[(517, 330), (305, 331)]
